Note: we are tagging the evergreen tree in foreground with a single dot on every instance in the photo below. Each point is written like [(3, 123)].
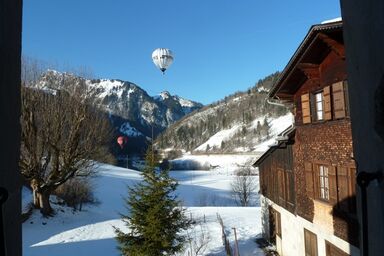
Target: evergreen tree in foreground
[(155, 217)]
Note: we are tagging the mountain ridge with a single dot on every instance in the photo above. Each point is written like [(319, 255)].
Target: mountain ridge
[(237, 123), (132, 111)]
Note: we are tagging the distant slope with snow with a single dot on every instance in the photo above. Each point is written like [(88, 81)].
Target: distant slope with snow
[(239, 123)]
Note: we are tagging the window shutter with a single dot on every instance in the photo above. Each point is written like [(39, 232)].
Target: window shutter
[(332, 185), (309, 179), (278, 223), (352, 192), (346, 97), (327, 103), (338, 100), (343, 188), (310, 243), (305, 108), (281, 188)]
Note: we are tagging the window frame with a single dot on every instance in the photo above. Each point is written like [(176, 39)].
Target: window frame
[(322, 174), (341, 182), (318, 106), (310, 249), (278, 230)]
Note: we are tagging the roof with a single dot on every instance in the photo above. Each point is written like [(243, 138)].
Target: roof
[(312, 50), (282, 140)]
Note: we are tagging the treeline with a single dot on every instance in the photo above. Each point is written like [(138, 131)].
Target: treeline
[(240, 108)]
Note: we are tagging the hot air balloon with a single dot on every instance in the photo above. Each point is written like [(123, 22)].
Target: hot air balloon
[(162, 58), (122, 140)]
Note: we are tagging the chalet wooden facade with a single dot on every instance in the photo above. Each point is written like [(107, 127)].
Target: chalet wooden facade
[(307, 180)]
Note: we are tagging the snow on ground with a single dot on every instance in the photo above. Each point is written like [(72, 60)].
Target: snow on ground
[(90, 232), (223, 163)]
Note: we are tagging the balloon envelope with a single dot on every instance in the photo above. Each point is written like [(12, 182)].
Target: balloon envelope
[(162, 58), (122, 140)]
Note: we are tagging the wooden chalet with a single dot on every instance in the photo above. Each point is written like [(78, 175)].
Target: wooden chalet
[(308, 180)]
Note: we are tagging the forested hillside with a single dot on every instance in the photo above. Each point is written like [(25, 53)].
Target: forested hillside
[(241, 120)]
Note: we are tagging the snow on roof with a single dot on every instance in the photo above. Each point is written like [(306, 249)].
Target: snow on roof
[(332, 20)]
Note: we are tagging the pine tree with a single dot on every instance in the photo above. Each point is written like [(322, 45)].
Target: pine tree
[(155, 217)]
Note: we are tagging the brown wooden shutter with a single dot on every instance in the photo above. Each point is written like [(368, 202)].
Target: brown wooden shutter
[(309, 179), (281, 184), (343, 188), (327, 103), (278, 223), (332, 185), (346, 98), (305, 108), (352, 192), (310, 241), (338, 100)]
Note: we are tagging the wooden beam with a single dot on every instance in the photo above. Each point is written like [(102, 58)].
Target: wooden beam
[(335, 46), (310, 70), (284, 95)]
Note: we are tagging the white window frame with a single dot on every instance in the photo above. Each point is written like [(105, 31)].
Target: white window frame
[(319, 106), (323, 182)]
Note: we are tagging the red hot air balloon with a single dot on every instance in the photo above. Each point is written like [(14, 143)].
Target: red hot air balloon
[(122, 140)]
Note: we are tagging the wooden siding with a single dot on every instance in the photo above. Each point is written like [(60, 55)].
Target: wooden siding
[(277, 178)]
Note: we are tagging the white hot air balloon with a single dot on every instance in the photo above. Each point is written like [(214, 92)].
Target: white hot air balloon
[(162, 58)]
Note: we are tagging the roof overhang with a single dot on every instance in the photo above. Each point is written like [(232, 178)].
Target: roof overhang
[(304, 64)]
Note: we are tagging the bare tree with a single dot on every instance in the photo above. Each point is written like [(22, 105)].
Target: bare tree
[(198, 240), (62, 134), (243, 187)]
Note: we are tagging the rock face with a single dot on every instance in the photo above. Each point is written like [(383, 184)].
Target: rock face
[(131, 110)]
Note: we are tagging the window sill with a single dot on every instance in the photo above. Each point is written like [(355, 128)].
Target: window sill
[(323, 202), (324, 121)]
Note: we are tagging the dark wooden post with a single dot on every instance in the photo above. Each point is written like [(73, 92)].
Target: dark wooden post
[(363, 23), (10, 57)]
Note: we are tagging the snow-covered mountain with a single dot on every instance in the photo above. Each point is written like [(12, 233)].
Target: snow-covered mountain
[(242, 122), (132, 111)]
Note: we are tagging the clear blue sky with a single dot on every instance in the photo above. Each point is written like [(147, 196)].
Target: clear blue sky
[(220, 46)]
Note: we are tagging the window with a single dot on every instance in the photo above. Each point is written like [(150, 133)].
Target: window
[(333, 184), (278, 223), (323, 182), (319, 106), (332, 250), (329, 104), (310, 240)]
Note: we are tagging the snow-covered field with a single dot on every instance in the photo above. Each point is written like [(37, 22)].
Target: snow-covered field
[(90, 232)]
